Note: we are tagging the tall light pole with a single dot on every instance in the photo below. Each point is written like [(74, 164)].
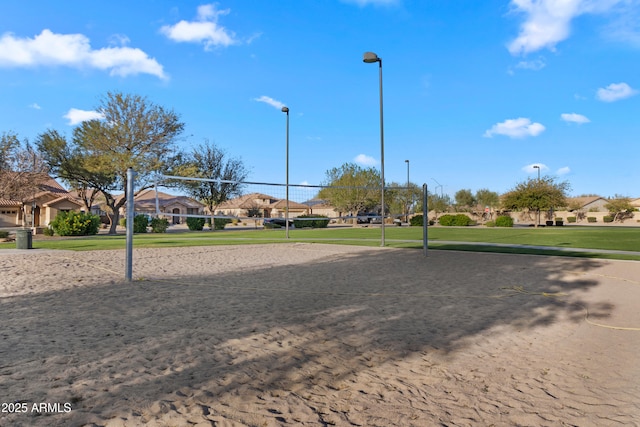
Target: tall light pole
[(370, 58), (286, 213), (408, 191)]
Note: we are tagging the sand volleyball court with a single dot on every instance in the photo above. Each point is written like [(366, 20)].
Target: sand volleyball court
[(317, 335)]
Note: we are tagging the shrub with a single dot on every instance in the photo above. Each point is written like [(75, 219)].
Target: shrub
[(271, 225), (417, 221), (592, 219), (122, 222), (4, 234), (159, 225), (140, 223), (459, 220), (607, 218), (48, 231), (219, 223), (75, 224), (195, 224), (504, 221), (490, 223), (571, 219), (317, 221)]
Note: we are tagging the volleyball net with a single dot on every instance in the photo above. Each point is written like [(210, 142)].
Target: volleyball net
[(302, 204)]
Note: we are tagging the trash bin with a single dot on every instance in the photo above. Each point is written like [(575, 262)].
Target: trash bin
[(23, 239)]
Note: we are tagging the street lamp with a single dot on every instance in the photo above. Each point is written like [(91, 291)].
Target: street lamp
[(408, 191), (286, 212), (538, 167), (439, 185), (370, 58)]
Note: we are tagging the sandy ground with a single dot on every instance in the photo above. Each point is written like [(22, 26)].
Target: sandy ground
[(317, 335)]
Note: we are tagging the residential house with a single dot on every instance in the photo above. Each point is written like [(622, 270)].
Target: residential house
[(321, 207), (588, 203), (39, 209), (171, 207), (261, 205)]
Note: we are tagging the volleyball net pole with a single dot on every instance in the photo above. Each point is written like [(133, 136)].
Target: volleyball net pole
[(129, 218)]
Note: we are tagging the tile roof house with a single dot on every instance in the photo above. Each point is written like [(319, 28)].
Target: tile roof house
[(261, 205), (41, 208), (173, 207), (589, 203)]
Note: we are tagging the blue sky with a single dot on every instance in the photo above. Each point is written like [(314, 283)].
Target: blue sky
[(475, 92)]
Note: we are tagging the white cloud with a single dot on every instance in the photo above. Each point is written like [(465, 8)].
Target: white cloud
[(615, 92), (270, 101), (535, 65), (563, 171), (548, 22), (74, 50), (574, 118), (76, 116), (625, 27), (515, 128), (364, 160), (35, 106), (205, 29)]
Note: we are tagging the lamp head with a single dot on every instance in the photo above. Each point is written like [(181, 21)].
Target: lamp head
[(285, 110), (370, 57)]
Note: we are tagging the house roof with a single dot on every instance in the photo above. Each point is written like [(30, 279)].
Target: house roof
[(282, 204), (317, 203), (248, 201), (584, 201), (148, 198), (50, 187), (63, 198)]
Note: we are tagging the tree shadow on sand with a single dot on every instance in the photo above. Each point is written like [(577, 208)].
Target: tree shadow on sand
[(242, 346)]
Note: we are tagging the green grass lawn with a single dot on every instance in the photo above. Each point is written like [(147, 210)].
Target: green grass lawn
[(596, 238)]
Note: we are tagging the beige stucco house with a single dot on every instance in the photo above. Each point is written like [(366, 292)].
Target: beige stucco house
[(589, 203), (168, 204), (261, 205), (40, 209)]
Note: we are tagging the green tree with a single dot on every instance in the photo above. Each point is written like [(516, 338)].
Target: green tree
[(620, 208), (487, 198), (536, 195), (134, 133), (224, 175), (438, 203), (465, 200), (401, 200), (22, 171), (352, 188)]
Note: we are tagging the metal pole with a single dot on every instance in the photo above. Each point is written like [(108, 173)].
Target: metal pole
[(381, 154), (538, 167), (130, 214), (370, 58), (425, 219), (408, 192), (286, 213)]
